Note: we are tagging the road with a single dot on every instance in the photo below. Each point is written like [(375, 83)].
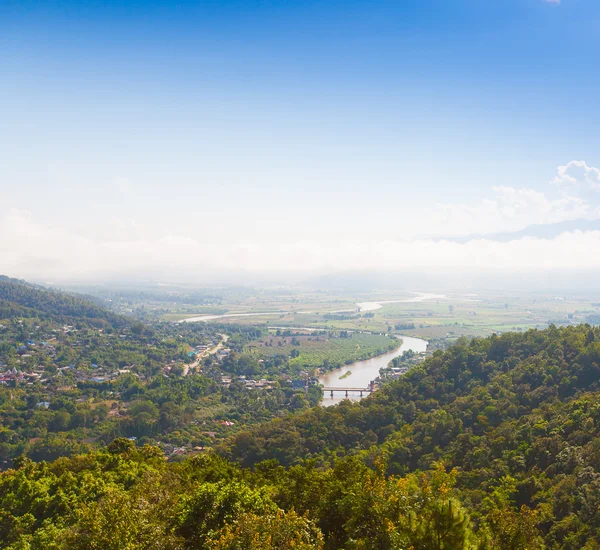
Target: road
[(200, 356)]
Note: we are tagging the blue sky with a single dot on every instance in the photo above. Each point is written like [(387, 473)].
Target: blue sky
[(131, 126)]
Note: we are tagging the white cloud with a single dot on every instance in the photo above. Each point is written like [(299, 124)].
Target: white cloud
[(507, 209), (32, 250), (512, 209), (577, 175)]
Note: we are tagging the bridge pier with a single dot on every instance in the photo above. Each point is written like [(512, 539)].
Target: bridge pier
[(347, 391)]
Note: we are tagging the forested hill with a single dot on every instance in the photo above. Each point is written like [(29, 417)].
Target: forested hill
[(478, 387), (493, 444), (21, 299), (518, 409)]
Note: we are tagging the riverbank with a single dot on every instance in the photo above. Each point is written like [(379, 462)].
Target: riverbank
[(365, 372), (307, 351), (360, 355)]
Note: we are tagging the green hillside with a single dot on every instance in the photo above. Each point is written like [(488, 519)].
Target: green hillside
[(493, 444), (21, 299)]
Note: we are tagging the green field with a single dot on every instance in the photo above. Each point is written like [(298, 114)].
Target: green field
[(446, 318), (317, 351)]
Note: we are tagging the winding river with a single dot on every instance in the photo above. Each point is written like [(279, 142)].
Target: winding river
[(362, 306), (364, 371)]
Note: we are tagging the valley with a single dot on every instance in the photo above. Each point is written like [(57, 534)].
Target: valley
[(495, 436)]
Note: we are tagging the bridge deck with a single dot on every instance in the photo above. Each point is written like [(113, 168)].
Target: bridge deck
[(328, 388)]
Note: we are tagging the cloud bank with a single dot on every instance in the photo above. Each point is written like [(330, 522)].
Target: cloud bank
[(32, 249)]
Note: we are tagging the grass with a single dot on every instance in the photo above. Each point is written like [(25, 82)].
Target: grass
[(317, 351)]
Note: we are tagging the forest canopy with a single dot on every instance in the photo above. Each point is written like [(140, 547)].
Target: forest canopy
[(493, 443)]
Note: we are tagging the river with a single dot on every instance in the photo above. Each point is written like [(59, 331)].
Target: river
[(362, 306), (372, 306), (363, 372), (419, 297)]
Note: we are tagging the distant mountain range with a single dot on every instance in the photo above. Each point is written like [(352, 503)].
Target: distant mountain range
[(539, 231)]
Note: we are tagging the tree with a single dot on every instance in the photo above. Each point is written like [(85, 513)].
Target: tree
[(121, 521), (213, 505), (509, 527), (298, 402), (279, 531), (122, 446)]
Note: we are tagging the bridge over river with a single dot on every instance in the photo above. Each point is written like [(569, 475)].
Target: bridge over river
[(338, 385), (332, 389)]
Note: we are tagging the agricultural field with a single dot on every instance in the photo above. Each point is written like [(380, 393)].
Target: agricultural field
[(446, 316), (328, 350)]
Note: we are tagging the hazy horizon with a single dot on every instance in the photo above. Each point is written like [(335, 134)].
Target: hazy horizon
[(582, 283)]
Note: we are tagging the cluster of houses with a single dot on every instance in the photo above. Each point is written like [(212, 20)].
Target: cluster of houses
[(304, 380), (28, 375), (100, 374), (97, 373), (201, 350), (262, 384), (391, 373), (39, 374), (11, 375)]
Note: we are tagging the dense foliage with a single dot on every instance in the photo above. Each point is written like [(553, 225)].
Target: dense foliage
[(128, 498), (518, 411)]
